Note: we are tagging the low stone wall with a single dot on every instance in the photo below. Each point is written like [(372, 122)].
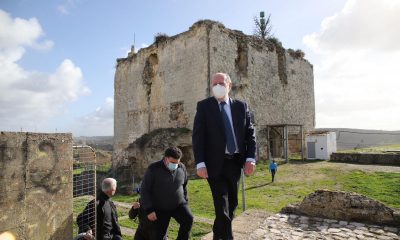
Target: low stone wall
[(392, 159), (345, 206), (36, 185)]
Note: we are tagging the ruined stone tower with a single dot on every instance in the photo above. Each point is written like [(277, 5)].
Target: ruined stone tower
[(156, 89)]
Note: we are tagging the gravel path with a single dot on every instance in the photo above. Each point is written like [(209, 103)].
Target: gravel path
[(255, 225)]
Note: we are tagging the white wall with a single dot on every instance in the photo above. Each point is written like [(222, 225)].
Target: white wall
[(325, 144)]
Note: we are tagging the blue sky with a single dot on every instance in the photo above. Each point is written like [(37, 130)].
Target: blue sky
[(58, 58)]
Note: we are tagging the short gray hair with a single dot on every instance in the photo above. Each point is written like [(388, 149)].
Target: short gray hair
[(108, 184), (226, 76)]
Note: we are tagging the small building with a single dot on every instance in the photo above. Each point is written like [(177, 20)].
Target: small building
[(320, 144)]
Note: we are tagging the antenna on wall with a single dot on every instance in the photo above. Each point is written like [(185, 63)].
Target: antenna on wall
[(133, 46)]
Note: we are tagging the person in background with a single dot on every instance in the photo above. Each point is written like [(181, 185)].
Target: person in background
[(145, 229), (164, 195), (273, 168), (107, 225)]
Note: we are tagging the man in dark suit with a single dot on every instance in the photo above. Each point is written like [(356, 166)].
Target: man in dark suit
[(223, 142)]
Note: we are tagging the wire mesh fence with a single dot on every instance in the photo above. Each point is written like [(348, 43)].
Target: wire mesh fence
[(84, 189)]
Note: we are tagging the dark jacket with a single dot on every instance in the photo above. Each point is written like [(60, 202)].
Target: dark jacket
[(146, 228), (208, 137), (162, 189), (86, 220), (107, 218)]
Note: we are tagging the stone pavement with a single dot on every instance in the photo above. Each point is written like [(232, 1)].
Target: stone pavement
[(254, 225)]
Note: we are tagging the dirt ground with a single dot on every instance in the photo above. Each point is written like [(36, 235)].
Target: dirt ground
[(362, 167)]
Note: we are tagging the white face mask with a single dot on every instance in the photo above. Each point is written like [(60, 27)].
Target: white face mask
[(172, 166), (219, 91)]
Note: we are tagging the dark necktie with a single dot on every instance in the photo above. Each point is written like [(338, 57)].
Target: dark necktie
[(230, 141)]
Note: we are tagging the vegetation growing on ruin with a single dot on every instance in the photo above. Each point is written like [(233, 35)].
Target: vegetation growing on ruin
[(145, 138), (160, 37)]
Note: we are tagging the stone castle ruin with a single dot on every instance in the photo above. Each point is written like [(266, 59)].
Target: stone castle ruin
[(157, 89)]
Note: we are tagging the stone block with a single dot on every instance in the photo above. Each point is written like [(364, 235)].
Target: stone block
[(12, 209), (51, 212), (48, 154), (36, 185), (12, 151), (13, 180), (48, 179)]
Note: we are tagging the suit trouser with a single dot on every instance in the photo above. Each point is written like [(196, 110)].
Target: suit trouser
[(224, 189), (182, 215)]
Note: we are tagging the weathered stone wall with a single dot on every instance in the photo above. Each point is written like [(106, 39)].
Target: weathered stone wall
[(36, 185), (153, 90), (345, 206), (391, 159), (150, 148)]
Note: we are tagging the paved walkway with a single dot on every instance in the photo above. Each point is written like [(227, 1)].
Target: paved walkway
[(257, 224), (254, 225)]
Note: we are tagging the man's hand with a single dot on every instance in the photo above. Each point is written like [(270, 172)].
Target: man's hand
[(152, 216), (89, 235), (249, 168), (136, 205), (202, 172)]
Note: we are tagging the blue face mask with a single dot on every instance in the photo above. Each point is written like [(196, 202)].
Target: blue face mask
[(172, 166)]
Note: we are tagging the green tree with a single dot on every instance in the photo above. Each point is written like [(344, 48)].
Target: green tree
[(263, 26)]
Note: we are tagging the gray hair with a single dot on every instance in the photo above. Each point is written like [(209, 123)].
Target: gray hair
[(226, 77), (108, 184)]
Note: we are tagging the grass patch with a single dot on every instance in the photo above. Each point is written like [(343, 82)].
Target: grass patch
[(199, 229), (125, 198), (125, 237), (129, 223), (384, 187), (294, 181), (375, 149)]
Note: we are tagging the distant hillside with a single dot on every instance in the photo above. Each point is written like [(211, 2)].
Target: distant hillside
[(99, 142), (348, 138)]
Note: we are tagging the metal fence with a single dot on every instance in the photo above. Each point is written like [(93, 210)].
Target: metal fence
[(84, 187)]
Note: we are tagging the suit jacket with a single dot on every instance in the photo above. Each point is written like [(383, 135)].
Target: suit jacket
[(208, 137)]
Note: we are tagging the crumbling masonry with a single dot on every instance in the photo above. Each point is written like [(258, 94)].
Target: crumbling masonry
[(159, 86)]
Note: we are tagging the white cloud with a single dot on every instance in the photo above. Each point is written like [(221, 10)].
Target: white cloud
[(63, 9), (98, 123), (66, 6), (356, 76), (29, 98)]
